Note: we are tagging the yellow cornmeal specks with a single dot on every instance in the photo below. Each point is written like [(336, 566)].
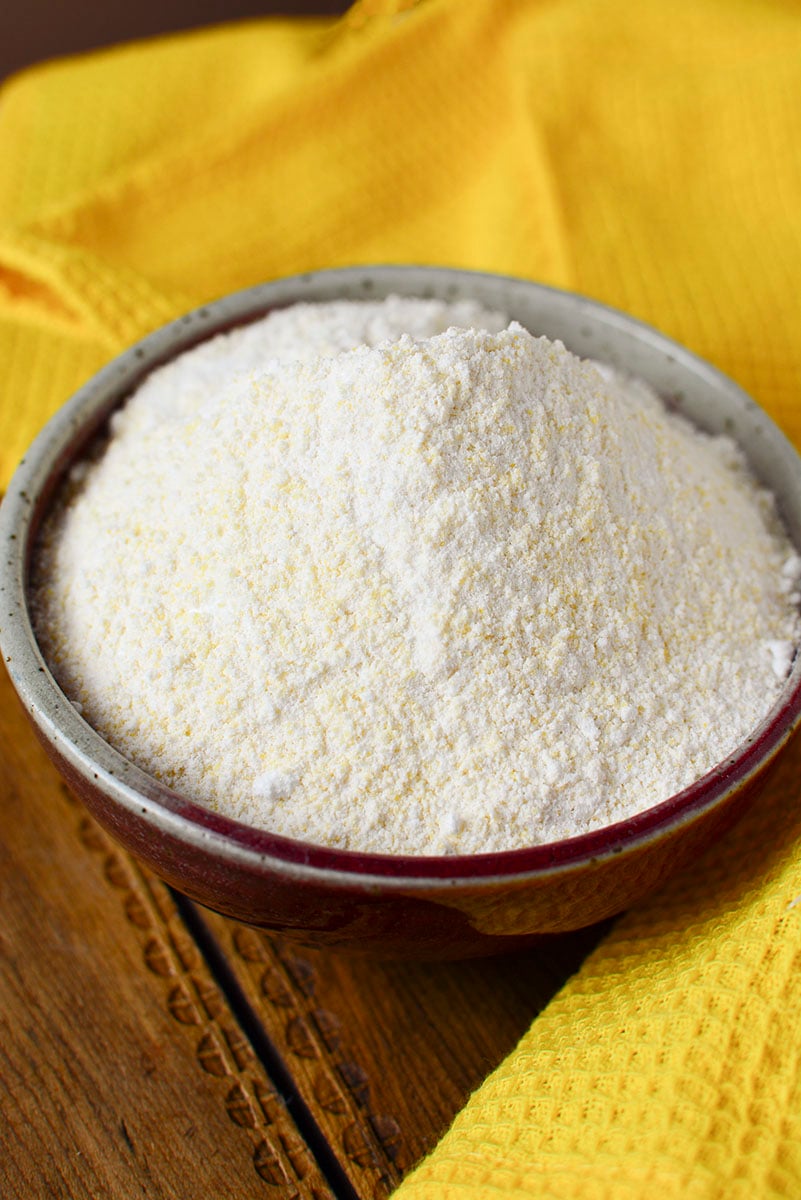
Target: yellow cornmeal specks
[(451, 590)]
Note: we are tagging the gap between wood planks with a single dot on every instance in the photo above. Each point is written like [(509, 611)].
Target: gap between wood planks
[(264, 1050)]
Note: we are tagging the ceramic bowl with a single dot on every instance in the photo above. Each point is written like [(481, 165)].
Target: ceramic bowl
[(419, 906)]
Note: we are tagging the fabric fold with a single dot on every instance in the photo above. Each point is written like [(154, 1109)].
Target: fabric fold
[(113, 305)]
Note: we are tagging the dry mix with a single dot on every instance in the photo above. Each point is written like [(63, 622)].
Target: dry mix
[(396, 577)]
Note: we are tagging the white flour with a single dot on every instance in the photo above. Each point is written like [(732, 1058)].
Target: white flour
[(462, 594)]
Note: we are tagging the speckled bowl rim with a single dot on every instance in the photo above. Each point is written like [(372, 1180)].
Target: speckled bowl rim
[(596, 329)]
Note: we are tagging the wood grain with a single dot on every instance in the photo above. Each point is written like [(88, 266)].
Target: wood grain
[(123, 1071), (386, 1054)]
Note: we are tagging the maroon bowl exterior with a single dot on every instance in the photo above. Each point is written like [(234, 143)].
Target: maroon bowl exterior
[(467, 918)]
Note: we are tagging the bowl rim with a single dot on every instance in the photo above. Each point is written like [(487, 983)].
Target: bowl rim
[(101, 766)]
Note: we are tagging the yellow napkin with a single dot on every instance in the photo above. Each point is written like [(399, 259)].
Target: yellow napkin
[(644, 154)]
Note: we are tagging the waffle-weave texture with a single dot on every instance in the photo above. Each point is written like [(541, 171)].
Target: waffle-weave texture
[(648, 155)]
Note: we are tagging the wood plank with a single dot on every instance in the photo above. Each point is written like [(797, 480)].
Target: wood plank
[(123, 1071), (43, 29), (386, 1053)]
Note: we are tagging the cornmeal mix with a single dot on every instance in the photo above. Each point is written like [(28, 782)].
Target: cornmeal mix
[(395, 577)]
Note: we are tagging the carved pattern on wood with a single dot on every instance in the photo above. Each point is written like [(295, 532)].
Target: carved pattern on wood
[(312, 1035), (280, 1158)]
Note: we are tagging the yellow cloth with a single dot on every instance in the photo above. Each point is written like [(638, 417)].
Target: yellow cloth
[(644, 154)]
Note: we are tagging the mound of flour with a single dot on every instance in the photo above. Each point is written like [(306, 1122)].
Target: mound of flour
[(396, 578)]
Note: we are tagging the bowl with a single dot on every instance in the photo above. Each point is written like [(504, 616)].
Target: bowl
[(436, 907)]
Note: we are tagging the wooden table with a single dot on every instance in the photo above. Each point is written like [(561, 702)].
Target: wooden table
[(40, 29), (152, 1048)]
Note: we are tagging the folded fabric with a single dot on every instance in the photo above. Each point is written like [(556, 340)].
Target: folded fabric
[(646, 155)]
